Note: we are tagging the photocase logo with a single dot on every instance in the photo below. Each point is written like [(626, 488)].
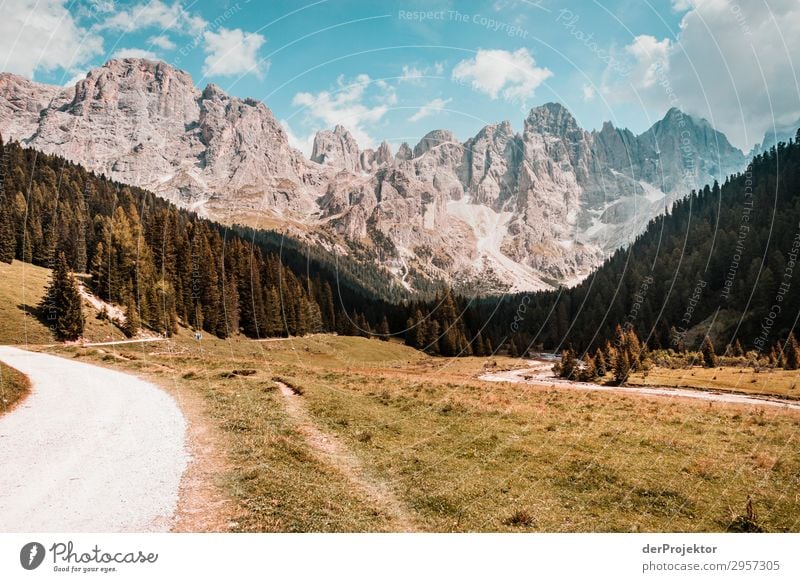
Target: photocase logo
[(31, 555)]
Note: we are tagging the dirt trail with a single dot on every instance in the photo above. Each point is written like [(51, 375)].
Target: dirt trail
[(540, 374), (89, 450), (333, 451)]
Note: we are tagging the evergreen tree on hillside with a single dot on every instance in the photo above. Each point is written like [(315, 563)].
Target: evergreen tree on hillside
[(62, 302), (780, 360), (132, 322), (8, 240)]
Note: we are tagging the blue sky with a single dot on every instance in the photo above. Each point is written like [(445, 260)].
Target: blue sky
[(396, 70)]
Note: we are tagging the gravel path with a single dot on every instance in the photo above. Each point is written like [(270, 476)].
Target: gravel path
[(89, 450), (541, 374)]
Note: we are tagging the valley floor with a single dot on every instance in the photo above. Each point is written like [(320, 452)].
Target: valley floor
[(374, 436), (328, 433)]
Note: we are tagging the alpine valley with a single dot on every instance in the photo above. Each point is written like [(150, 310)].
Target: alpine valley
[(503, 211)]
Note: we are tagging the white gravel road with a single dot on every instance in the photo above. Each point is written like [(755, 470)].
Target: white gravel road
[(89, 450), (541, 374)]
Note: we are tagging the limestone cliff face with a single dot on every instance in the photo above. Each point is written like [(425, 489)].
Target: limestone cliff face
[(145, 123), (21, 102), (507, 210), (337, 149)]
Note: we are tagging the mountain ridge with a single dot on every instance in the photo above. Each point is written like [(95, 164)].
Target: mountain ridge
[(502, 211)]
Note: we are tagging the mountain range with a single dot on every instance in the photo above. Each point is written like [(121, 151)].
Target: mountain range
[(501, 211)]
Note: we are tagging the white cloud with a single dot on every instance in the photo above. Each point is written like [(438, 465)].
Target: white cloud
[(414, 74), (75, 78), (411, 74), (515, 75), (728, 64), (588, 93), (155, 14), (43, 36), (430, 108), (134, 53), (349, 105), (232, 52), (303, 143), (162, 41), (650, 56)]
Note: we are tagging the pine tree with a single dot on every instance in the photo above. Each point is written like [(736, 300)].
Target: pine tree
[(738, 351), (383, 330), (771, 357), (132, 321), (478, 347), (588, 371), (609, 355), (634, 347), (709, 356), (792, 357), (568, 363), (600, 363), (622, 367), (62, 302), (8, 240)]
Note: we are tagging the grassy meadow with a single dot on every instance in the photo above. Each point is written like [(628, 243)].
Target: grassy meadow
[(461, 454), (376, 436), (22, 322)]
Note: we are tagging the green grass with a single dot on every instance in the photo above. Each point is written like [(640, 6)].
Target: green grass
[(14, 385)]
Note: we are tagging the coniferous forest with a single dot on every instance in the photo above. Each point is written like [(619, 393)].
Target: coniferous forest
[(724, 255), (165, 265)]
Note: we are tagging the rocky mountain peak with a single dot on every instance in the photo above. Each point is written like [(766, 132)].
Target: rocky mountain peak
[(433, 139), (213, 91), (553, 119), (145, 123), (384, 153), (404, 153), (337, 149), (21, 101), (519, 210)]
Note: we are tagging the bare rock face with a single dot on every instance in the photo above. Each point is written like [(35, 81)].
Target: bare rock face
[(145, 123), (503, 210), (493, 160), (404, 153), (21, 101), (370, 160), (337, 149)]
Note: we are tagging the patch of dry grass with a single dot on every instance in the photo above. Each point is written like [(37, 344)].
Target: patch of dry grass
[(467, 455), (775, 382), (22, 286), (14, 385)]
